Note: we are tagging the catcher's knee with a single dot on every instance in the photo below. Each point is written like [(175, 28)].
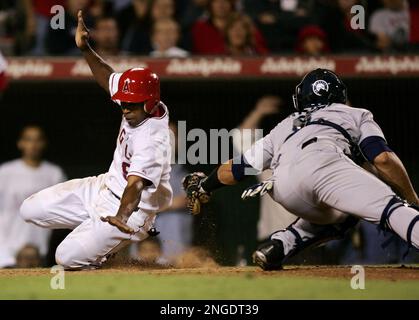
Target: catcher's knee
[(391, 206), (398, 204)]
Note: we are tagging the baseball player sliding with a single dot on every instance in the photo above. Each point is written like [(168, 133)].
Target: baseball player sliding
[(316, 156), (112, 209)]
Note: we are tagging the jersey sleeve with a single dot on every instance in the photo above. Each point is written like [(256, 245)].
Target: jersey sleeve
[(113, 84), (259, 156), (369, 128), (149, 158), (243, 139)]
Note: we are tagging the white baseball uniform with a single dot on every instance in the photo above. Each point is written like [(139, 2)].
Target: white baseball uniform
[(18, 181), (319, 183), (78, 204), (273, 216)]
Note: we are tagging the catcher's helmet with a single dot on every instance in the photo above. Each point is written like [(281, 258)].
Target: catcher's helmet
[(319, 88), (139, 85)]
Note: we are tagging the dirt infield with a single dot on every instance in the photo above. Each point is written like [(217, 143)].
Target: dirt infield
[(391, 273)]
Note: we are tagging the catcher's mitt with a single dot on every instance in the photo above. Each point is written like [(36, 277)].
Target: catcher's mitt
[(195, 194)]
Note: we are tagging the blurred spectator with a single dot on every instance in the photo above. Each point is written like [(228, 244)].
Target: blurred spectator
[(312, 40), (119, 5), (263, 11), (98, 8), (165, 36), (336, 21), (414, 23), (3, 79), (19, 179), (162, 9), (28, 257), (106, 36), (26, 37), (391, 25), (136, 22), (208, 34), (240, 36), (135, 26), (41, 16), (194, 10), (128, 15), (17, 26), (24, 25), (334, 17), (175, 223), (61, 41), (12, 22), (279, 20)]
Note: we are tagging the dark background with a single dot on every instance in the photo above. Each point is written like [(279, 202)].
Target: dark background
[(82, 125)]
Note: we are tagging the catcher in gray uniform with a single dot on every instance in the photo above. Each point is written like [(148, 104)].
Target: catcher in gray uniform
[(331, 167)]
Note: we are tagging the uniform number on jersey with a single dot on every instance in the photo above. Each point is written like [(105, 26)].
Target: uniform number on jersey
[(125, 167), (121, 136)]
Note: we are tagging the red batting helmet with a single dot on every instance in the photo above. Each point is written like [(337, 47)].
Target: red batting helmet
[(139, 85)]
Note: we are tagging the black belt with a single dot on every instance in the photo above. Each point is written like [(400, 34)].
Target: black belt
[(115, 195), (308, 142)]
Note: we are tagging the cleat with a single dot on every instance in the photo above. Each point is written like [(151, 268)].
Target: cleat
[(269, 256)]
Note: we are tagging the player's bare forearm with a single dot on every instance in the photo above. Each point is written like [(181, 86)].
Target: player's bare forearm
[(100, 69), (370, 168), (225, 174), (129, 203), (391, 170), (131, 197)]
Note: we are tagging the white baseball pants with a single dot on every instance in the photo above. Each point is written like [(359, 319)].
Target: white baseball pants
[(78, 204)]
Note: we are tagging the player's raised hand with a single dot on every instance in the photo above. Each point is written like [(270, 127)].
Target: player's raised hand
[(117, 222), (82, 33), (268, 105)]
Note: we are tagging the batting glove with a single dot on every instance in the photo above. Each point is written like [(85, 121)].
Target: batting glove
[(258, 189)]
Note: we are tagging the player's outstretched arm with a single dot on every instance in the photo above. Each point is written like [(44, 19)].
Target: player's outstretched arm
[(390, 169), (129, 203), (198, 186), (100, 69)]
